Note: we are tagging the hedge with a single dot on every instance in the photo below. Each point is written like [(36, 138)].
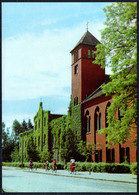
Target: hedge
[(86, 166), (133, 168)]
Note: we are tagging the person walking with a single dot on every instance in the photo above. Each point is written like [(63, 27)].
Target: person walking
[(47, 166), (54, 165), (72, 166), (31, 164)]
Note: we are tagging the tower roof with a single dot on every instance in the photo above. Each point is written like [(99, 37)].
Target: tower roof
[(87, 39)]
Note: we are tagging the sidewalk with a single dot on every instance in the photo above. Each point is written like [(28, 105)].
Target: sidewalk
[(123, 178)]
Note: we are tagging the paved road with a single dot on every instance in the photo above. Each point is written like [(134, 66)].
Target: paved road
[(17, 180)]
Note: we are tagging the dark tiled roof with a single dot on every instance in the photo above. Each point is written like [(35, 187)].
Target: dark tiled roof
[(87, 39)]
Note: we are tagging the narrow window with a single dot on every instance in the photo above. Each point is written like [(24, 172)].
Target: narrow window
[(99, 121), (113, 155), (76, 56), (106, 113), (44, 121), (39, 141), (76, 69), (44, 139), (36, 125), (89, 53), (92, 53), (75, 101), (122, 155), (89, 129), (128, 154), (86, 124)]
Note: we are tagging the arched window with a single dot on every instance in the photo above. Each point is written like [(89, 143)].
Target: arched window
[(106, 114), (97, 119), (88, 122)]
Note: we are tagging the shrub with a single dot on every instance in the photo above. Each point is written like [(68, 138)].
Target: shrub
[(133, 168), (85, 166)]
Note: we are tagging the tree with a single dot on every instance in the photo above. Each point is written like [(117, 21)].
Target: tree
[(16, 130), (67, 143), (15, 154), (24, 126), (29, 125), (7, 144), (45, 155), (86, 150), (31, 150), (118, 50)]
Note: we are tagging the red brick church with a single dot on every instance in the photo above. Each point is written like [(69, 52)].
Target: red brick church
[(87, 79)]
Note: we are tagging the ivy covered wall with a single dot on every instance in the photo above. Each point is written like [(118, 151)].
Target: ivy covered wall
[(76, 122), (41, 134)]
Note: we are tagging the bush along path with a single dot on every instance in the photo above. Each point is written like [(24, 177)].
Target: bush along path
[(84, 166)]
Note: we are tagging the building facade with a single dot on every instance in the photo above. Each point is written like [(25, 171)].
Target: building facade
[(41, 133), (88, 110), (88, 97)]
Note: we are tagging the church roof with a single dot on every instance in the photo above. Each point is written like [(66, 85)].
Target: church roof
[(87, 39)]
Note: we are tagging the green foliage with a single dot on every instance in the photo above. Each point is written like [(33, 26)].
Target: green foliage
[(86, 150), (85, 166), (76, 122), (7, 144), (119, 51), (133, 168), (101, 167), (67, 147), (45, 155), (31, 150), (16, 130), (15, 155), (63, 137), (29, 125)]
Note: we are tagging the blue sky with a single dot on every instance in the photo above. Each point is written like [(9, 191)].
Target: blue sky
[(36, 62)]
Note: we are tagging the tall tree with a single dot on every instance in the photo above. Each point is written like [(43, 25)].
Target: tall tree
[(118, 50), (24, 126), (7, 144), (16, 130), (32, 150), (29, 125)]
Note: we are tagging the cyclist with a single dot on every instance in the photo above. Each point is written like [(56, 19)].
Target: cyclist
[(72, 166), (54, 165), (47, 166), (31, 164)]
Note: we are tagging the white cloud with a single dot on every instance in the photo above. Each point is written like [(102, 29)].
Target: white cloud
[(35, 65)]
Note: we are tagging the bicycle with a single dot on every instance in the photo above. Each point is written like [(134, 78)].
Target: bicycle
[(54, 169)]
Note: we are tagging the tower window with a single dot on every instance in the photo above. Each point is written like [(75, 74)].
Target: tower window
[(75, 101), (76, 69), (76, 56), (89, 53)]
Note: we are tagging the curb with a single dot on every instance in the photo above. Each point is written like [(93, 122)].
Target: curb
[(75, 176)]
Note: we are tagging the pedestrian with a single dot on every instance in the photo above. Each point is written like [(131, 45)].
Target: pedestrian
[(54, 165), (47, 165), (72, 166), (31, 163)]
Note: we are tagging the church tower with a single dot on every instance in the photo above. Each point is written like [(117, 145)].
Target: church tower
[(86, 76)]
